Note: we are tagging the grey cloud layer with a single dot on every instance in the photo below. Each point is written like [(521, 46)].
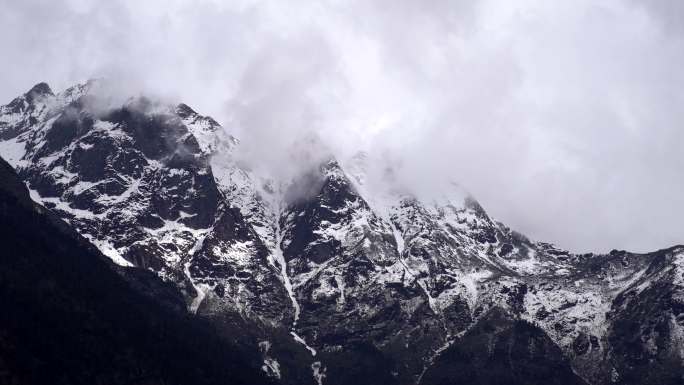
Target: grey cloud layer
[(563, 118)]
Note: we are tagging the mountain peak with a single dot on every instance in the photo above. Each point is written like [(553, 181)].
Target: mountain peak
[(185, 111), (40, 89)]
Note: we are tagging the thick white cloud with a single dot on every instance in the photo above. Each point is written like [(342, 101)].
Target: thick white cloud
[(563, 118)]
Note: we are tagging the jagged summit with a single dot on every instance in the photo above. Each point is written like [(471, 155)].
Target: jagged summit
[(184, 111), (40, 89), (347, 267)]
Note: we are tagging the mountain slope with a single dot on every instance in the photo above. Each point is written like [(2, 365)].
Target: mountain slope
[(69, 318), (341, 274), (502, 350)]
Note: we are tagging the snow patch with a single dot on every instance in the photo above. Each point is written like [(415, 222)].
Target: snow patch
[(318, 372), (199, 288), (13, 150), (301, 341), (341, 287), (271, 366), (64, 206)]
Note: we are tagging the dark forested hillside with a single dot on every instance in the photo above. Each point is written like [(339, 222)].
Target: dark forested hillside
[(501, 350)]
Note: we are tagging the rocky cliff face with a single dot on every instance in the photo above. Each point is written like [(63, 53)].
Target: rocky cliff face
[(358, 283)]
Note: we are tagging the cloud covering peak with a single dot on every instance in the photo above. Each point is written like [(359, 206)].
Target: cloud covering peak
[(564, 119)]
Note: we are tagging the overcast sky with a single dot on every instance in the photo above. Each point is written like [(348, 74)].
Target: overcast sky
[(565, 119)]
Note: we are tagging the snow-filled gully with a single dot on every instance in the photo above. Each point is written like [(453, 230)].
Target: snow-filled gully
[(278, 261)]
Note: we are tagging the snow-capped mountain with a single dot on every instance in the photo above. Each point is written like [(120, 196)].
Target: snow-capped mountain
[(339, 280)]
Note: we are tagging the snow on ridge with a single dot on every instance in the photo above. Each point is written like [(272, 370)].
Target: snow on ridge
[(678, 266), (103, 245), (109, 250)]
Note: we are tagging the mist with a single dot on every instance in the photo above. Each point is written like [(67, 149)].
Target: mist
[(563, 119)]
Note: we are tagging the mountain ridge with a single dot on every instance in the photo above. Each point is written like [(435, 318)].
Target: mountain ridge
[(345, 270)]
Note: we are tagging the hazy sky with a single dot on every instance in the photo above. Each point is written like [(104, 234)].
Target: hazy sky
[(564, 118)]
